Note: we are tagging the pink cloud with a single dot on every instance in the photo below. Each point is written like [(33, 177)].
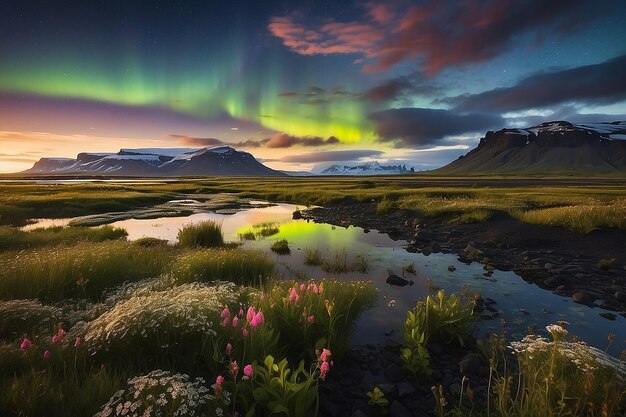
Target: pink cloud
[(438, 35)]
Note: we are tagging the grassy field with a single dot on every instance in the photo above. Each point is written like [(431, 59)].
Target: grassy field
[(581, 205)]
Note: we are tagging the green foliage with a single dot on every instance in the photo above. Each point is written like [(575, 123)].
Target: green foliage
[(281, 247), (307, 314), (206, 234), (280, 392), (440, 318), (14, 239), (81, 271), (244, 267), (384, 206), (377, 398)]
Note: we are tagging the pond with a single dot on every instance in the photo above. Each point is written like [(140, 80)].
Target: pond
[(518, 303)]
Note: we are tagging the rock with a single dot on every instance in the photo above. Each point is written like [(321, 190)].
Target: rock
[(435, 247), (398, 410), (548, 266), (359, 413), (455, 390), (451, 268), (395, 373), (389, 390), (608, 316), (397, 281), (620, 296), (329, 407), (426, 251), (470, 364), (404, 389), (583, 297), (297, 215)]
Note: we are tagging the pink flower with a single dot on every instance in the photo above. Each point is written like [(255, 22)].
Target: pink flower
[(77, 342), (324, 368), (225, 313), (241, 312), (226, 321), (250, 314), (302, 288), (219, 380), (229, 348), (26, 343), (311, 319), (293, 296), (61, 332), (56, 339), (248, 371), (47, 355), (234, 368), (325, 356), (313, 287), (257, 320), (235, 321), (244, 332)]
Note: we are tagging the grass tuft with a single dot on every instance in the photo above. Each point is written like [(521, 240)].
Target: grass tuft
[(281, 247)]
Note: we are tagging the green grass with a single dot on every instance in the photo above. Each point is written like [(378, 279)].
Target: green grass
[(384, 206), (312, 257), (281, 247), (340, 263), (12, 238), (243, 267), (207, 234), (81, 271)]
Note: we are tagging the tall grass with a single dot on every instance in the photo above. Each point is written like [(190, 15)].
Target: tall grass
[(207, 234), (340, 263), (20, 317), (81, 271), (243, 267), (316, 314), (13, 239)]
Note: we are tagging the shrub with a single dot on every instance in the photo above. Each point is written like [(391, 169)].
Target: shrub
[(281, 247), (177, 325), (384, 206), (206, 234), (243, 267), (160, 394), (20, 317), (84, 270), (437, 319)]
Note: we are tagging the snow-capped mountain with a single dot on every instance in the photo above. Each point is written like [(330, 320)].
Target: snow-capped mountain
[(169, 162), (368, 168), (550, 148)]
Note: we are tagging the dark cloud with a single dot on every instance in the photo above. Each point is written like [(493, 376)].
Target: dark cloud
[(317, 95), (402, 87), (602, 83), (419, 126), (328, 156), (439, 34), (192, 141), (288, 94), (283, 140)]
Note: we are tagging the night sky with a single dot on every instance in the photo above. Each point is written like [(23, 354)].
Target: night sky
[(301, 84)]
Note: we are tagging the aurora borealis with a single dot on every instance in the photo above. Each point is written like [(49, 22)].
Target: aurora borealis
[(406, 81)]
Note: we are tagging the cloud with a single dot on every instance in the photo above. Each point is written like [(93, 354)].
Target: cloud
[(327, 156), (402, 87), (317, 95), (283, 140), (602, 83), (192, 141), (439, 34), (421, 126)]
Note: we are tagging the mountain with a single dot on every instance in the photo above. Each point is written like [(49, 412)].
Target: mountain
[(551, 148), (156, 162), (368, 168)]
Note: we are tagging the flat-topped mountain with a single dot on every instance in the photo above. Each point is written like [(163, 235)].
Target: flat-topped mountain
[(367, 168), (551, 148), (158, 162)]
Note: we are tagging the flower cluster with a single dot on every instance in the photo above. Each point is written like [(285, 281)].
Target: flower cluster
[(189, 308), (294, 296), (253, 319), (159, 394), (324, 362)]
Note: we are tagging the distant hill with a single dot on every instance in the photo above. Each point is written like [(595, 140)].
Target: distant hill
[(368, 168), (551, 148), (157, 162)]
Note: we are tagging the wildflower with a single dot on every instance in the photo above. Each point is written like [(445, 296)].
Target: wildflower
[(61, 332), (244, 332), (47, 355), (235, 321), (219, 380), (226, 321), (329, 307), (557, 331), (293, 295), (229, 348), (324, 368), (218, 386), (225, 313), (257, 319), (248, 371), (302, 288), (250, 313), (311, 319), (325, 356), (313, 288), (56, 339), (77, 342), (234, 368), (240, 312), (26, 343)]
